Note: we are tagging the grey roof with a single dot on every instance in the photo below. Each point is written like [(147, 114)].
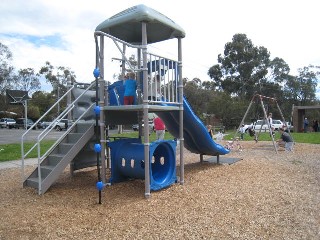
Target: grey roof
[(126, 25)]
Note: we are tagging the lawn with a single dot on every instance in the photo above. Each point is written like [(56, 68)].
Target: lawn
[(13, 151)]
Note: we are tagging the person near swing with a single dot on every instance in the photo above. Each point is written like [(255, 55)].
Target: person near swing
[(270, 124)]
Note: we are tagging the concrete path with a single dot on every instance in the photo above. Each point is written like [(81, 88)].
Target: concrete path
[(17, 163)]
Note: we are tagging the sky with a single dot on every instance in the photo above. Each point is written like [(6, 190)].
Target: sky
[(61, 31)]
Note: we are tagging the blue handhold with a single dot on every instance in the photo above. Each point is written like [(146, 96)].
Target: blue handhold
[(100, 185), (96, 72), (97, 110), (97, 148)]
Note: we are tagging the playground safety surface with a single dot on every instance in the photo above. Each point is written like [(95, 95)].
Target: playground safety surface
[(263, 196)]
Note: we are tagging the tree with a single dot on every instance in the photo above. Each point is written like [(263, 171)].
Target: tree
[(27, 80), (302, 88), (57, 76), (43, 101), (245, 69), (6, 70), (199, 98)]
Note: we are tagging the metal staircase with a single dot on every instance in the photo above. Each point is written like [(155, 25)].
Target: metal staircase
[(54, 164), (73, 147)]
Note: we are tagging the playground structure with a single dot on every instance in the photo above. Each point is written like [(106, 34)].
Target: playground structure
[(260, 98), (97, 105)]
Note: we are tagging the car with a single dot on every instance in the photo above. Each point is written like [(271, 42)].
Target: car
[(289, 126), (135, 127), (43, 125), (247, 126), (63, 124), (21, 123), (262, 124), (7, 123)]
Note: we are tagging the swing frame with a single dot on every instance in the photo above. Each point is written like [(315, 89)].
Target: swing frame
[(261, 98)]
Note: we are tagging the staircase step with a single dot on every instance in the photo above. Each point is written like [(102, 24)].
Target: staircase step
[(33, 182), (73, 137), (65, 147), (60, 157), (48, 167), (82, 127), (53, 159)]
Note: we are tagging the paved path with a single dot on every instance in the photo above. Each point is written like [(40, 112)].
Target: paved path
[(17, 163)]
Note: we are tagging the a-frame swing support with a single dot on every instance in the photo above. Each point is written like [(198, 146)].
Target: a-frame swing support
[(265, 118)]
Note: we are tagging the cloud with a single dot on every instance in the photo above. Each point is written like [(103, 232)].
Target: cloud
[(61, 32)]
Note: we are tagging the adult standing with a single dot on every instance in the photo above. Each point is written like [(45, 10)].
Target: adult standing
[(315, 125), (305, 125), (130, 89), (270, 122), (159, 127)]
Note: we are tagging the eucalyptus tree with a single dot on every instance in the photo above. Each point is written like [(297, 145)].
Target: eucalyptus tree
[(6, 69), (27, 80), (244, 69), (302, 88), (57, 77)]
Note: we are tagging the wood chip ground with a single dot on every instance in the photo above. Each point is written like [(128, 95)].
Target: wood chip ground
[(263, 196)]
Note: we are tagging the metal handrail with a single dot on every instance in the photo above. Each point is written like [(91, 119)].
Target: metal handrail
[(40, 158), (49, 128)]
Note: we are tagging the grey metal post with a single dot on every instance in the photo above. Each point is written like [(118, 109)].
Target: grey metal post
[(26, 114), (101, 104), (69, 85), (123, 71), (180, 86), (244, 117), (145, 111), (270, 130), (139, 91)]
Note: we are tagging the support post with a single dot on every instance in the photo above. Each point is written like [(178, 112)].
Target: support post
[(101, 105), (244, 117), (180, 90), (145, 110), (269, 125)]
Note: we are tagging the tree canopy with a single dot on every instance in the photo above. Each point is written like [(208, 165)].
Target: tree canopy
[(244, 69)]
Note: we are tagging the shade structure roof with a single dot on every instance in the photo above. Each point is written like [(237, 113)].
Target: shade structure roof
[(126, 25)]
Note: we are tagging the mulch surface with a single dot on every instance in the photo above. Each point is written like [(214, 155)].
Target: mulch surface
[(262, 196)]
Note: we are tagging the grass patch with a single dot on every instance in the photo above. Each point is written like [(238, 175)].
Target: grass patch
[(310, 137), (10, 152), (13, 151)]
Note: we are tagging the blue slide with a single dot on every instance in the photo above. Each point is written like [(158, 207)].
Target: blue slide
[(196, 136)]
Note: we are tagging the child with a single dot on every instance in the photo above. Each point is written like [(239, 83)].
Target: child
[(130, 89), (209, 129), (252, 133), (242, 131)]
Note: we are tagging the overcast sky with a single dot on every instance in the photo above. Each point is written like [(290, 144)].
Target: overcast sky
[(61, 31)]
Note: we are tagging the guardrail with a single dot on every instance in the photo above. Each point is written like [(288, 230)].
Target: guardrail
[(49, 128)]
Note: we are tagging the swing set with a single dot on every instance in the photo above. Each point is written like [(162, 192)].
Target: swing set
[(260, 99)]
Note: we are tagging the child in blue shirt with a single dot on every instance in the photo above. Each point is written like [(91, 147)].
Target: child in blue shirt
[(130, 89)]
